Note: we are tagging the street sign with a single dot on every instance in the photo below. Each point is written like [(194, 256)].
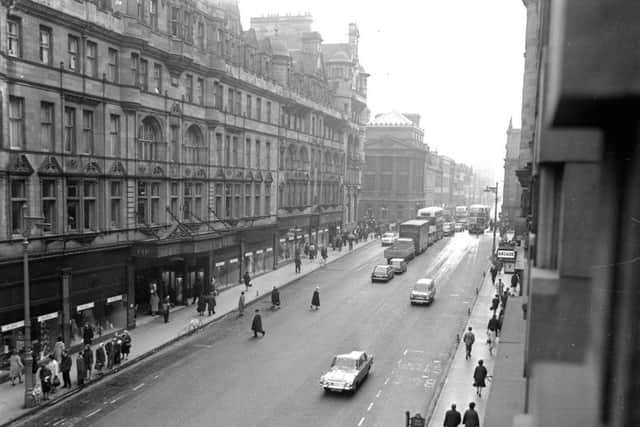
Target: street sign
[(85, 306), (506, 254), (46, 317), (12, 326), (114, 299)]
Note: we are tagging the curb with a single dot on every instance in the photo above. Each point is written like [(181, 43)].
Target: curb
[(72, 393), (452, 353)]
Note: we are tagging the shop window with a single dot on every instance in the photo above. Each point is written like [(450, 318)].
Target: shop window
[(115, 204), (18, 201), (16, 122), (247, 200), (47, 138), (49, 203)]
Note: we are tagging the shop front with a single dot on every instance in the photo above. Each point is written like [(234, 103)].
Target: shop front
[(257, 246)]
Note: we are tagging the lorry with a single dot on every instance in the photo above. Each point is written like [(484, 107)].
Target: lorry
[(413, 240), (402, 248)]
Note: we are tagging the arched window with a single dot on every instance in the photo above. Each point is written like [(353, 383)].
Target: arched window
[(304, 159), (194, 149), (150, 145)]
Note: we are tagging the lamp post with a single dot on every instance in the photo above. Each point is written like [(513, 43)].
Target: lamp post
[(495, 215), (27, 223)]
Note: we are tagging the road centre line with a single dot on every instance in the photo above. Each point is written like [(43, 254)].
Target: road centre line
[(138, 387), (378, 393), (156, 377), (60, 421), (115, 400), (361, 421), (386, 381), (93, 413), (370, 406)]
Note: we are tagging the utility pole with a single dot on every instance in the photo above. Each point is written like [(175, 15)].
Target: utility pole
[(495, 215)]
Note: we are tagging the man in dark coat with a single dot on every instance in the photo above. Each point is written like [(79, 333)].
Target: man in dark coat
[(108, 347), (101, 358), (166, 305), (495, 302), (479, 377), (202, 305), (471, 418), (81, 371), (65, 367), (256, 324), (315, 299), (87, 334), (298, 263), (126, 344), (452, 418), (247, 280), (211, 302), (87, 355), (275, 298), (117, 350), (494, 272), (514, 282)]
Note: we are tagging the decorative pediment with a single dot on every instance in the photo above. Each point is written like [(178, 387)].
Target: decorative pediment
[(50, 166), (239, 175), (174, 170), (258, 176), (201, 173), (175, 108), (117, 169), (220, 174), (268, 177), (142, 170), (19, 165), (92, 168), (248, 176), (157, 171)]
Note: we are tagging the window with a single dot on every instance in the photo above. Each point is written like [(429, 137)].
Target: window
[(87, 132), (175, 21), (227, 151), (194, 148), (201, 35), (187, 32), (256, 196), (199, 191), (219, 149), (47, 138), (16, 122), (258, 108), (135, 61), (237, 196), (219, 195), (153, 14), (269, 111), (200, 92), (238, 103), (218, 95), (267, 199), (18, 200), (249, 106), (89, 205), (112, 66), (267, 149), (73, 48), (148, 202), (236, 160), (73, 205), (45, 45), (157, 78), (114, 134), (230, 103), (49, 201), (189, 87), (140, 10), (14, 36), (228, 201), (247, 200), (143, 82), (188, 200), (91, 68), (174, 195), (175, 135), (115, 204), (149, 145), (69, 129), (248, 153), (258, 154)]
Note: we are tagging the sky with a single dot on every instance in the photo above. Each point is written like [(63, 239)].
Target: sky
[(458, 63)]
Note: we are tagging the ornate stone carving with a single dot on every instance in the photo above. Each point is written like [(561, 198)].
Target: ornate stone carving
[(187, 172), (19, 165), (142, 170), (201, 173), (50, 166), (157, 171), (117, 169), (92, 168)]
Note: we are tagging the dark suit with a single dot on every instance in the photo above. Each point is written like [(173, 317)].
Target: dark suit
[(471, 418), (452, 418)]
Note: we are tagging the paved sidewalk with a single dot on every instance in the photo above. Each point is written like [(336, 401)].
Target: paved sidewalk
[(155, 333), (458, 387)]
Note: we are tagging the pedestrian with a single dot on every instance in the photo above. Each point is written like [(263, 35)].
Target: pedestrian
[(197, 289), (298, 263), (494, 273), (58, 348), (202, 305), (500, 288), (495, 303), (275, 298), (505, 297), (117, 350), (65, 367), (87, 334), (101, 358), (108, 347), (45, 381), (492, 333), (479, 377), (54, 367), (88, 360), (315, 299), (165, 308), (256, 324), (323, 254), (471, 418), (211, 303), (154, 302), (15, 367), (468, 338), (126, 344), (452, 418), (515, 279), (247, 280), (241, 304), (81, 370)]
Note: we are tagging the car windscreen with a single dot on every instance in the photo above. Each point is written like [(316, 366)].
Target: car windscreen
[(343, 363), (388, 235), (380, 269), (421, 287)]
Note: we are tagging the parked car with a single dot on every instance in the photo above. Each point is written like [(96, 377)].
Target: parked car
[(389, 239), (382, 272), (347, 371), (399, 265), (423, 292), (459, 227)]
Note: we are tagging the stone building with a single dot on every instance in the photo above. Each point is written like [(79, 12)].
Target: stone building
[(511, 189), (393, 182), (161, 146)]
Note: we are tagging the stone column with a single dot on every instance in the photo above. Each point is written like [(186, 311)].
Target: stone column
[(66, 309), (131, 295)]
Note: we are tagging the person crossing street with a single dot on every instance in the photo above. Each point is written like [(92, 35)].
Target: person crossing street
[(315, 299), (256, 324)]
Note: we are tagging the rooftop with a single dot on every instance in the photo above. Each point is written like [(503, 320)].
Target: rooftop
[(393, 118)]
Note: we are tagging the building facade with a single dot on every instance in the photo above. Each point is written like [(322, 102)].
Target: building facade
[(393, 182), (511, 189), (160, 146)]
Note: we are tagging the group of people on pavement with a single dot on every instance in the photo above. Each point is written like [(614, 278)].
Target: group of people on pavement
[(470, 418), (207, 303)]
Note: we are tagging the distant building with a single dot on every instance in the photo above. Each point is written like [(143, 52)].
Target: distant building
[(511, 189)]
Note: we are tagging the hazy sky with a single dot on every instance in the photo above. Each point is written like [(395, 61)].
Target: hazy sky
[(458, 63)]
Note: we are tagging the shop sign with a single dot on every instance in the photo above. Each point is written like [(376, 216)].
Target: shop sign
[(313, 234), (269, 249), (259, 251), (290, 237), (46, 317), (299, 236), (283, 240), (114, 299), (11, 326), (248, 254), (326, 230), (220, 264), (233, 261), (506, 253), (85, 306)]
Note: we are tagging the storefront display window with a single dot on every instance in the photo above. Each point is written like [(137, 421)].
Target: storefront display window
[(249, 263), (233, 271), (259, 261), (220, 274), (104, 317), (268, 259)]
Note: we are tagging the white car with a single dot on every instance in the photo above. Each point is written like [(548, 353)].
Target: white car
[(347, 371), (389, 239), (423, 292)]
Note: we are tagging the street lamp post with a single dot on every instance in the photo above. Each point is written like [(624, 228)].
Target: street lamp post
[(495, 215)]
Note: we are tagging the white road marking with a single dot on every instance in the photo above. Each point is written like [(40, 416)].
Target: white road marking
[(203, 345), (405, 352), (378, 393), (370, 406), (386, 381), (361, 421), (93, 413), (155, 377), (454, 295), (138, 387), (60, 421), (115, 400)]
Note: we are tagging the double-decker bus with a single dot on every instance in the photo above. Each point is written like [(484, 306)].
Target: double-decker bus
[(435, 216), (461, 214), (478, 220)]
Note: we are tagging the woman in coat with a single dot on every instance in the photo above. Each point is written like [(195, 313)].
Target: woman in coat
[(315, 299), (479, 377), (45, 381), (256, 324), (275, 298), (211, 302), (241, 304), (88, 360), (202, 305), (101, 358), (15, 367), (81, 370), (247, 280), (126, 345)]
